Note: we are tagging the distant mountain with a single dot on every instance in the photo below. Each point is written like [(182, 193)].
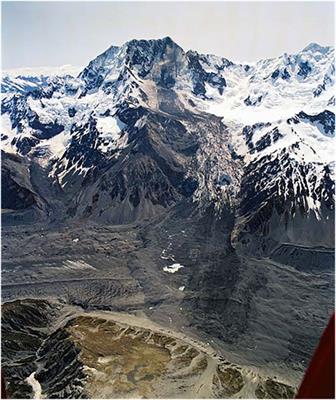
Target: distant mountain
[(27, 79)]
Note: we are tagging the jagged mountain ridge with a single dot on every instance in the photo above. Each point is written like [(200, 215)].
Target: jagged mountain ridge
[(135, 133), (24, 80)]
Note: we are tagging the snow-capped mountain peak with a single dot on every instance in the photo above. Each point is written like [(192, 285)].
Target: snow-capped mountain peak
[(142, 59), (24, 80), (316, 48)]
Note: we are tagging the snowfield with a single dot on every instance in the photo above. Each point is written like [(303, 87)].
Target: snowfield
[(173, 268)]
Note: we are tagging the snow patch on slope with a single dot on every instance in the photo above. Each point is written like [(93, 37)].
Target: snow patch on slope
[(111, 129), (173, 268)]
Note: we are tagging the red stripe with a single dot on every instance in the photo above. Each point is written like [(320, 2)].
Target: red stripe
[(319, 380)]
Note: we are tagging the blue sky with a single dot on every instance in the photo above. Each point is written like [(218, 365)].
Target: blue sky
[(58, 33)]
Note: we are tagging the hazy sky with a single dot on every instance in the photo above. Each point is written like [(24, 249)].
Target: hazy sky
[(58, 33)]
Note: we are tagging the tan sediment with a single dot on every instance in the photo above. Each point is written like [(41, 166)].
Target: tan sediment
[(128, 356)]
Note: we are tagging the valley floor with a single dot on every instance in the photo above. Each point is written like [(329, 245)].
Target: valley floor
[(247, 326)]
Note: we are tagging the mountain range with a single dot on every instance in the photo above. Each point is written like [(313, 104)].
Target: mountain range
[(226, 169), (147, 124)]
